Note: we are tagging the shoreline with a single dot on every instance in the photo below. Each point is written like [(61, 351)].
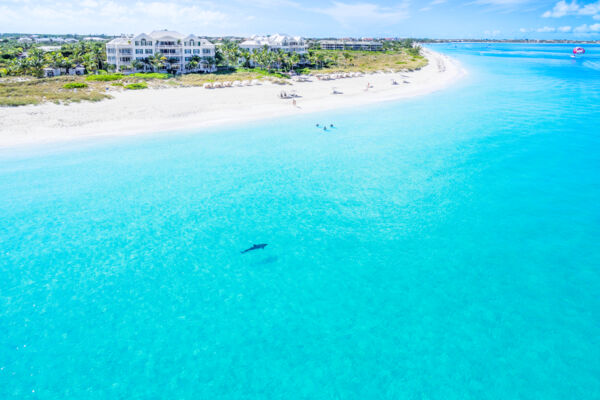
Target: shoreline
[(187, 109)]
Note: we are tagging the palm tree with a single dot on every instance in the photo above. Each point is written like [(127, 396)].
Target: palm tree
[(191, 65), (170, 62), (35, 62), (137, 64), (347, 58), (210, 62), (16, 66), (89, 62), (231, 52), (194, 62), (244, 56), (157, 61), (295, 59)]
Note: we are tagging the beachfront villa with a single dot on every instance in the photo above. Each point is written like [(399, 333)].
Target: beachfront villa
[(363, 45), (50, 72), (288, 44), (179, 50)]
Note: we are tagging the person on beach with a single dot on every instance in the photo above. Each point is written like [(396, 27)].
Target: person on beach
[(294, 102)]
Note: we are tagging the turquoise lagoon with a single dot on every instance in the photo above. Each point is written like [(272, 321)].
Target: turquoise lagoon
[(443, 247)]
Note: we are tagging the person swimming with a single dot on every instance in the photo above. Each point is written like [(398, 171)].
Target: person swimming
[(317, 125), (331, 125)]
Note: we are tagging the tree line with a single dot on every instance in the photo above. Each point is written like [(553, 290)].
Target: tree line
[(29, 59)]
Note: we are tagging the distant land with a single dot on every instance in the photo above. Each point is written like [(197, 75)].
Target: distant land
[(7, 36)]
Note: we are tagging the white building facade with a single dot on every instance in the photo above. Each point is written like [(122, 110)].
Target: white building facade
[(364, 45), (288, 44), (178, 49)]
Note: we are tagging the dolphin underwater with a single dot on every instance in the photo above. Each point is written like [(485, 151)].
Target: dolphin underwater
[(255, 247)]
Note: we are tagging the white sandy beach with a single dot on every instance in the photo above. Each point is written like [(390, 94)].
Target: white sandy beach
[(184, 109)]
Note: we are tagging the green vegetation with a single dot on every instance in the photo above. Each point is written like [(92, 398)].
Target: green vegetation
[(367, 61), (17, 59), (137, 86), (151, 75), (75, 85), (230, 57), (37, 91), (104, 77)]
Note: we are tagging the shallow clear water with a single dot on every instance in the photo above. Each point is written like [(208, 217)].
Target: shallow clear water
[(444, 247)]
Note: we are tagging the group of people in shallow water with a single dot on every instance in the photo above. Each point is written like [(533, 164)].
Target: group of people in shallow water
[(325, 126)]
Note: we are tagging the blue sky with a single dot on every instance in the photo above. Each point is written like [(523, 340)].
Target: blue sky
[(406, 18)]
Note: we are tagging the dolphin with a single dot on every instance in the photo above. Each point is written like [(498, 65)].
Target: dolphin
[(255, 247)]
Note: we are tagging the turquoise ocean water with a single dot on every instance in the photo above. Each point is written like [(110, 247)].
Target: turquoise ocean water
[(444, 247)]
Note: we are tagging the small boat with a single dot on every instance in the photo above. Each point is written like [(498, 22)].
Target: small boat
[(577, 51)]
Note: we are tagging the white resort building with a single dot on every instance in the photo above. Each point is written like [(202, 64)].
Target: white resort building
[(178, 49), (288, 44), (363, 45)]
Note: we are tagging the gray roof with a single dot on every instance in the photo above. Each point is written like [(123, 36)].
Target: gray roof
[(161, 34)]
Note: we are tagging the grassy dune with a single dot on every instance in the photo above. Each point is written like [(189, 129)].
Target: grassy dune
[(35, 91), (370, 61)]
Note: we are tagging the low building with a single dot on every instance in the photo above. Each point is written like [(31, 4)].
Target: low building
[(362, 45), (49, 49), (51, 72), (94, 39), (25, 40), (288, 44), (77, 70), (178, 49)]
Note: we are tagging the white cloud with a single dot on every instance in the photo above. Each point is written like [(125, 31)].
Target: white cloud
[(590, 9), (563, 8), (492, 33), (433, 4), (565, 29), (546, 29), (89, 3), (523, 30), (361, 13), (111, 16), (501, 2), (587, 29)]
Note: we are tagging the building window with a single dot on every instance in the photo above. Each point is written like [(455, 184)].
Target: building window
[(205, 51), (137, 43), (196, 51), (191, 42), (148, 51), (188, 51), (139, 51)]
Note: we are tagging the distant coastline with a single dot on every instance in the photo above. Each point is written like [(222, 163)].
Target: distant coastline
[(511, 41)]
